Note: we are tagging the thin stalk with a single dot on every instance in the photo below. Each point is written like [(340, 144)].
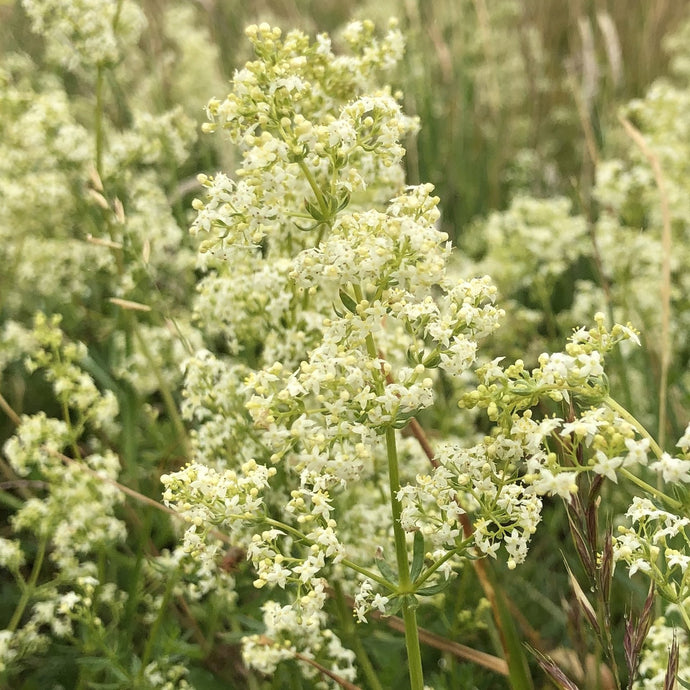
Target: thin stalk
[(7, 409), (98, 124), (30, 587), (654, 446), (414, 656), (153, 634), (73, 436), (396, 510), (434, 567), (10, 500), (617, 407), (684, 616), (665, 283), (671, 502), (314, 186), (345, 561), (368, 573), (168, 399)]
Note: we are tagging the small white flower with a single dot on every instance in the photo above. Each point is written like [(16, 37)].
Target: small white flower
[(672, 469)]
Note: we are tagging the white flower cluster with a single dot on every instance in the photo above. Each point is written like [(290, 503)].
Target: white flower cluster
[(86, 32), (367, 599), (167, 674), (657, 543), (206, 497), (204, 578), (11, 554), (485, 482), (300, 627), (77, 511), (73, 387), (214, 400), (577, 373), (302, 123), (327, 281)]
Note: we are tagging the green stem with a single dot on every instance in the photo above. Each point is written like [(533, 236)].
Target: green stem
[(433, 568), (617, 407), (396, 511), (167, 396), (314, 186), (684, 615), (414, 656), (369, 574), (153, 633), (30, 586), (656, 449), (98, 124), (671, 502), (345, 615), (345, 561), (10, 500)]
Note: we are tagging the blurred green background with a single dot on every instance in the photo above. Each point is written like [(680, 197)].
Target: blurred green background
[(512, 95)]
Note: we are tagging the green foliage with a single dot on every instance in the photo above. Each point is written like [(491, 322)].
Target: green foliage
[(231, 457)]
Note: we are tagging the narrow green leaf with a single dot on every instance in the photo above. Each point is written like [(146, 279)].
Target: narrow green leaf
[(518, 667), (433, 589), (433, 360), (313, 210), (412, 357), (417, 555), (343, 202), (348, 302), (393, 607), (386, 571)]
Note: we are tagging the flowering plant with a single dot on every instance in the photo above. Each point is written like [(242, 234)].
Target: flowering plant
[(351, 442), (345, 317)]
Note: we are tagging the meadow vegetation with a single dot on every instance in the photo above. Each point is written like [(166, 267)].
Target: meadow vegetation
[(343, 333)]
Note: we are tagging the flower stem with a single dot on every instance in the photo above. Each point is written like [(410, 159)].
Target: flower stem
[(446, 557), (30, 587), (323, 206), (656, 449), (345, 561), (153, 633), (671, 502), (166, 394), (414, 657), (617, 407), (99, 119)]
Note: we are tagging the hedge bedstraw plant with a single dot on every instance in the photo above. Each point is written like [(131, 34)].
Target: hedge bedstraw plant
[(333, 333), (329, 282)]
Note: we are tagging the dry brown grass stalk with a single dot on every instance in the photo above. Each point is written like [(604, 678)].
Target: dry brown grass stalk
[(665, 288)]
